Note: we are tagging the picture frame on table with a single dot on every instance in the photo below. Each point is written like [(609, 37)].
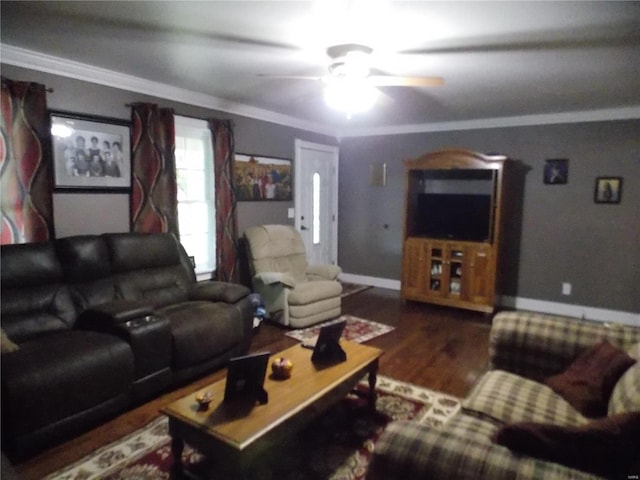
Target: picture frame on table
[(260, 178), (90, 153), (608, 190)]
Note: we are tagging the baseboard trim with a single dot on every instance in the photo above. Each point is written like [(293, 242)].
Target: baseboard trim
[(522, 303), (373, 281), (579, 311)]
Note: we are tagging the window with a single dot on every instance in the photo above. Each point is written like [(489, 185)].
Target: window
[(196, 198)]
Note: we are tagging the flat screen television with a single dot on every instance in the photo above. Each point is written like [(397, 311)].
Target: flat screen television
[(454, 216)]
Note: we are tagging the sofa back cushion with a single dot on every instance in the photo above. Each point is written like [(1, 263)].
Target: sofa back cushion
[(35, 300), (87, 269), (153, 268), (276, 248)]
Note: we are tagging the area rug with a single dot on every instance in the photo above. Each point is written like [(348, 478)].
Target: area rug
[(357, 330), (349, 289), (337, 445)]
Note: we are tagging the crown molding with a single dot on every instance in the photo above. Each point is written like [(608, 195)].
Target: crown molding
[(21, 57), (622, 113), (33, 60)]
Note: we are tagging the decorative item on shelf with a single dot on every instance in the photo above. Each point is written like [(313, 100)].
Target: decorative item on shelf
[(608, 190), (204, 399), (556, 171), (281, 368)]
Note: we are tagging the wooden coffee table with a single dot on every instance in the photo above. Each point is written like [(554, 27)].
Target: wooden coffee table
[(233, 436)]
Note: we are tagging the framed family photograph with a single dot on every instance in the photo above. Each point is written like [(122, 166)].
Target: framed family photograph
[(556, 171), (608, 190), (90, 153), (260, 178)]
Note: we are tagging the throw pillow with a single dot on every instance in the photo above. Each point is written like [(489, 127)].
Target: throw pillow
[(625, 396), (588, 382), (608, 446), (6, 345)]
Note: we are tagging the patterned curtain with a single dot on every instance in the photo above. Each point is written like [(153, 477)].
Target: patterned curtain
[(154, 196), (226, 221), (26, 175)]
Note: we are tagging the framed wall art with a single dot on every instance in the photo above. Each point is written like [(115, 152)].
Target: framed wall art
[(90, 153), (608, 190), (261, 178), (556, 171)]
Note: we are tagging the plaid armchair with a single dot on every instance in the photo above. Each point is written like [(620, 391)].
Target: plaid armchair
[(524, 349)]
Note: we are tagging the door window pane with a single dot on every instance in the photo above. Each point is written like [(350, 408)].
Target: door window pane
[(316, 208)]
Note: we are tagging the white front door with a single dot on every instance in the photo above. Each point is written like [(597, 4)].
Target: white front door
[(316, 200)]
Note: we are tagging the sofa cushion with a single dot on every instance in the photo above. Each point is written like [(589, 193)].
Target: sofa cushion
[(276, 248), (462, 450), (87, 269), (309, 292), (588, 382), (54, 377), (511, 398), (202, 330), (607, 446), (35, 301), (158, 287), (214, 291)]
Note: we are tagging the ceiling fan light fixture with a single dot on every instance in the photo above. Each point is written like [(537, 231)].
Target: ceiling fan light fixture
[(350, 96), (350, 61)]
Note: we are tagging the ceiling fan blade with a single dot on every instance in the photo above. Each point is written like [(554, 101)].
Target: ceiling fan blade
[(391, 81), (553, 40), (289, 77)]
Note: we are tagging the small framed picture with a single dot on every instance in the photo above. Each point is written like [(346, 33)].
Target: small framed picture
[(556, 171), (608, 190), (90, 153)]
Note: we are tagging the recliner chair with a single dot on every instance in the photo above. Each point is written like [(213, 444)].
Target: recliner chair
[(295, 293)]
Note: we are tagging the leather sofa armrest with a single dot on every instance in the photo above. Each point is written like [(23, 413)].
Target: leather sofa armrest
[(213, 291), (114, 313), (324, 271), (269, 278)]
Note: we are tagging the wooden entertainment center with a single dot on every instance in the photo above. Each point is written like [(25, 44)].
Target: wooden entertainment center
[(454, 219)]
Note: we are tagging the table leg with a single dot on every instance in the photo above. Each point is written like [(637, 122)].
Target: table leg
[(177, 447), (373, 378)]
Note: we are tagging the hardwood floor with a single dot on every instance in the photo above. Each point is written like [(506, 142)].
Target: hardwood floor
[(434, 347)]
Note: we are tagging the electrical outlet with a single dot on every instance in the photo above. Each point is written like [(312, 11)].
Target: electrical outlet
[(566, 288)]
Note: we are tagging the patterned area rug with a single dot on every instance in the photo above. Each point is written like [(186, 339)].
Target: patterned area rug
[(357, 330), (337, 445)]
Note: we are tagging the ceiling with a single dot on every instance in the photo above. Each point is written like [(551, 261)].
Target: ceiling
[(499, 60)]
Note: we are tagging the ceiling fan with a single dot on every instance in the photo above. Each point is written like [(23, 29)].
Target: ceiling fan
[(350, 86), (352, 61)]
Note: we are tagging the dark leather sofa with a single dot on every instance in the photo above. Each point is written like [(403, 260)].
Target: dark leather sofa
[(102, 323)]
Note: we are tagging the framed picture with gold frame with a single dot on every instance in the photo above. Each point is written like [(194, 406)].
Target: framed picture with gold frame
[(260, 178), (608, 190)]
